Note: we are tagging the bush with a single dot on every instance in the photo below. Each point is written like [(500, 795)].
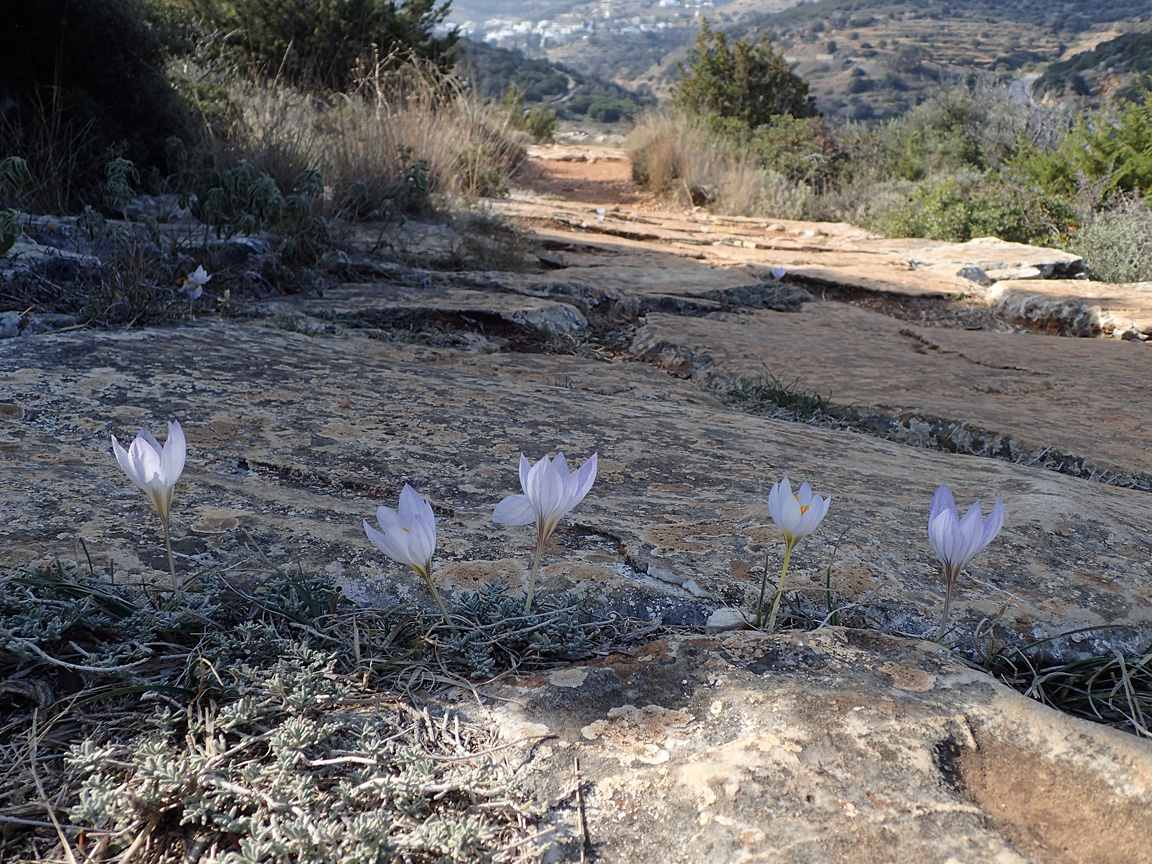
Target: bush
[(748, 82), (1112, 153), (695, 161), (415, 134), (81, 82), (964, 205), (1116, 244), (539, 122), (321, 43)]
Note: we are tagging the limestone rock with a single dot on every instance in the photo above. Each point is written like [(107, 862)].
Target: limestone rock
[(834, 746), (1078, 307), (1016, 395), (402, 306), (300, 438)]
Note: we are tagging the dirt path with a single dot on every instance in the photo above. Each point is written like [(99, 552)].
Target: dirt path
[(589, 175)]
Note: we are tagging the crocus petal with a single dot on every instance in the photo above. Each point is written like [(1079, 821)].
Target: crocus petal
[(560, 464), (994, 524), (125, 461), (545, 491), (942, 501), (422, 544), (774, 502), (789, 512), (388, 518), (389, 543), (813, 516), (580, 482), (940, 535), (174, 454), (151, 440), (525, 467), (514, 510), (413, 506)]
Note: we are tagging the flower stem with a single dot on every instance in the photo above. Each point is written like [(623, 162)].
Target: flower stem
[(532, 578), (171, 561), (948, 583), (436, 597), (780, 588), (763, 584)]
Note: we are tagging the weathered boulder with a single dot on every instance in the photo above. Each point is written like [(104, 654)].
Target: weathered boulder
[(834, 746), (1078, 307)]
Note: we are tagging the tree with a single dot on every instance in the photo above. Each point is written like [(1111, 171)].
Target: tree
[(749, 81), (318, 43)]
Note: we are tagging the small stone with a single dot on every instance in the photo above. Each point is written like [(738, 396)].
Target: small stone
[(726, 619)]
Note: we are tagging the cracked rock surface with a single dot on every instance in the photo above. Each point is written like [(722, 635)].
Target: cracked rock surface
[(853, 743)]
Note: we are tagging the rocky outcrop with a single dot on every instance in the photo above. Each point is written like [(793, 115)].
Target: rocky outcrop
[(833, 746), (855, 742)]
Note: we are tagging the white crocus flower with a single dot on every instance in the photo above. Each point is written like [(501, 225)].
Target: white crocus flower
[(156, 469), (195, 281), (778, 273), (550, 491), (797, 515), (956, 540), (409, 537)]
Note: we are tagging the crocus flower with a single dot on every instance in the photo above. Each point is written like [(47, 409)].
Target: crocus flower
[(778, 273), (195, 281), (550, 491), (409, 537), (955, 540), (797, 515), (156, 469)]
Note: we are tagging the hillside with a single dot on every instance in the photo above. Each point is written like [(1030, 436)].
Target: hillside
[(573, 95), (1112, 66), (865, 59)]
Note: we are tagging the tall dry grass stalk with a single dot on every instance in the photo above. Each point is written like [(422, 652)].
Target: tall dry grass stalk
[(400, 114), (680, 158)]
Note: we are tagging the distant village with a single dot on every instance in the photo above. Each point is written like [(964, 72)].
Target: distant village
[(532, 36)]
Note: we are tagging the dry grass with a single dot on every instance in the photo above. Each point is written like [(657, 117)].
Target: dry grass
[(682, 159), (404, 133)]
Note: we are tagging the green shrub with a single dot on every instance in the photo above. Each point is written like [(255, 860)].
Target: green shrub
[(83, 82), (320, 43), (1109, 153), (701, 158), (537, 121), (748, 82), (967, 204), (1116, 244)]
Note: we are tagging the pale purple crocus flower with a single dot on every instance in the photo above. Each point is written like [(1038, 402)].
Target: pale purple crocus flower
[(778, 273), (797, 515), (195, 281), (550, 491), (409, 537), (156, 469), (955, 540)]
